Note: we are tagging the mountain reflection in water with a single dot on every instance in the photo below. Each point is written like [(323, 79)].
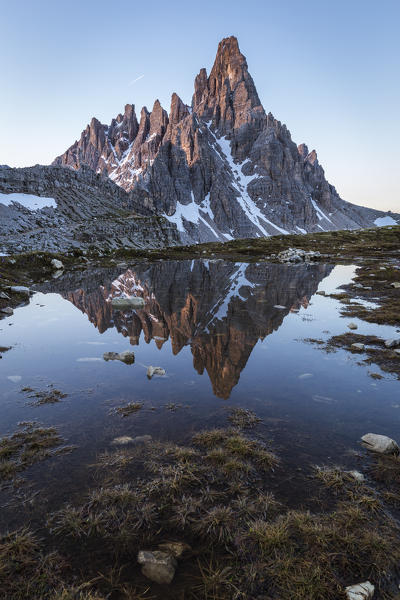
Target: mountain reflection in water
[(220, 309)]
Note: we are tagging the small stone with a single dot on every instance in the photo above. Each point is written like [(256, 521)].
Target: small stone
[(158, 566), (321, 293), (357, 346), (279, 306), (352, 326), (57, 264), (360, 591), (7, 310), (380, 443), (395, 284), (154, 371)]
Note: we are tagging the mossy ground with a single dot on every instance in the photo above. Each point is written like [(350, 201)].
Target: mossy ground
[(214, 495)]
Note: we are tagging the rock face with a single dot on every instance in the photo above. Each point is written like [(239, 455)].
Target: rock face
[(91, 212), (220, 169)]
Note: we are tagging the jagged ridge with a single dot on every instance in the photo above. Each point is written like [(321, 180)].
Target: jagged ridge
[(220, 169)]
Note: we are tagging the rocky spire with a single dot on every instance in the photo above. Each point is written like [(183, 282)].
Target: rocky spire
[(178, 111), (229, 95)]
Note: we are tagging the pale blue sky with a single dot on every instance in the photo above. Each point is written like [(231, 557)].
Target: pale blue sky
[(329, 69)]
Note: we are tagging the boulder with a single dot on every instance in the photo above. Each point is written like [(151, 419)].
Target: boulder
[(380, 443), (360, 591), (126, 357), (57, 264), (154, 371), (122, 303), (158, 566)]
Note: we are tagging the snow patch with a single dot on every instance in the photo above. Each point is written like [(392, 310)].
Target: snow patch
[(320, 214), (384, 221)]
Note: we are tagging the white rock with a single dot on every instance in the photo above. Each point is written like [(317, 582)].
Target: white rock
[(158, 566), (395, 284), (126, 303), (56, 264), (154, 371), (380, 443), (357, 346), (360, 591), (279, 306), (352, 326)]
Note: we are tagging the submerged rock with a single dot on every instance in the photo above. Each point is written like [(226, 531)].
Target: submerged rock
[(360, 591), (126, 303), (380, 443), (126, 357), (57, 264), (125, 440), (154, 371), (158, 566)]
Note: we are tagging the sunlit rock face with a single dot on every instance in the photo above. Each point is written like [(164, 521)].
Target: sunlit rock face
[(221, 168), (219, 309)]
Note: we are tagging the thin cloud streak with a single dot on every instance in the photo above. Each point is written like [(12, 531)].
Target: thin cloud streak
[(135, 80)]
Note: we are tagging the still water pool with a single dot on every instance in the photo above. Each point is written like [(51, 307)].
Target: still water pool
[(228, 335)]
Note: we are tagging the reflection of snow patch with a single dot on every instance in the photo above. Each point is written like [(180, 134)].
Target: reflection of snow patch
[(29, 201), (383, 221)]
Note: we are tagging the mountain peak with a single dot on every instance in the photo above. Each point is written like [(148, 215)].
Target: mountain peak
[(223, 169)]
